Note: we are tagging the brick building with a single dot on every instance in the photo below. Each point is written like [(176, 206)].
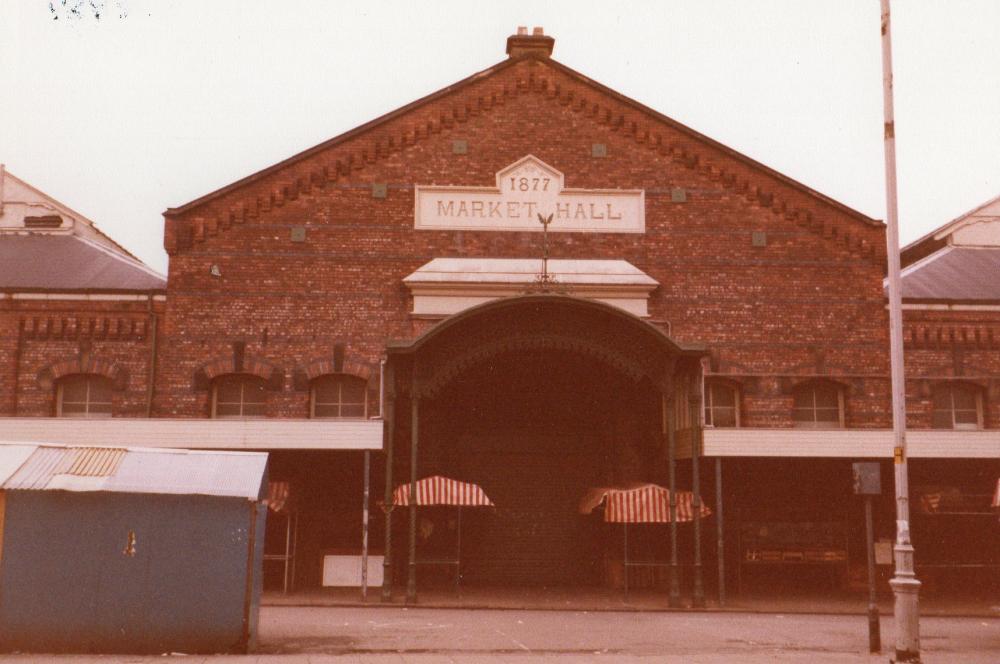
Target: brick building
[(531, 282)]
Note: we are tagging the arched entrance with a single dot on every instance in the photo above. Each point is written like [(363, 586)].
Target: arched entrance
[(535, 398)]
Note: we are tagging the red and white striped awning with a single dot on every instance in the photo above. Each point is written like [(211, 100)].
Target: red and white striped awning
[(278, 494), (648, 503), (438, 490)]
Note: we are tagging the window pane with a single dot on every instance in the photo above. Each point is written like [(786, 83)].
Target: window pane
[(228, 390), (326, 410), (827, 397), (966, 417), (723, 396), (942, 399), (803, 415), (227, 409), (352, 410), (253, 410), (326, 390), (828, 415), (99, 408), (724, 417), (804, 398), (965, 398), (73, 408), (74, 389), (339, 396), (100, 389), (353, 391)]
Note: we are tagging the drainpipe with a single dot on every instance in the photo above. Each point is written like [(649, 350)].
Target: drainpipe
[(17, 364), (151, 373)]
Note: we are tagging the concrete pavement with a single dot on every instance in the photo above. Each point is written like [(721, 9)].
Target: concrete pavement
[(315, 635)]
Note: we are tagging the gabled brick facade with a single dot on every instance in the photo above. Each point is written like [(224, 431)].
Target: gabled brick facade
[(809, 303)]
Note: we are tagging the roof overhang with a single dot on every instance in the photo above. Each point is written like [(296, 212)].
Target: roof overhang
[(447, 286), (263, 434), (848, 443)]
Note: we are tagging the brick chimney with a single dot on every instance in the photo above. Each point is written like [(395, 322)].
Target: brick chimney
[(537, 43)]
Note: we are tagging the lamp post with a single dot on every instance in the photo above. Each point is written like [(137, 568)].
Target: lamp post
[(905, 586)]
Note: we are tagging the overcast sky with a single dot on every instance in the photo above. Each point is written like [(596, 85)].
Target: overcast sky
[(159, 102)]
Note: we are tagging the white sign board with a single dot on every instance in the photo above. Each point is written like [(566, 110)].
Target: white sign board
[(527, 188)]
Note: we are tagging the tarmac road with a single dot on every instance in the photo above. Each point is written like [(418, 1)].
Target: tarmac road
[(315, 635)]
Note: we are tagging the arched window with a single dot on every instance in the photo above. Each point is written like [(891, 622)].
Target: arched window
[(722, 404), (339, 395), (818, 405), (957, 406), (83, 395), (238, 396)]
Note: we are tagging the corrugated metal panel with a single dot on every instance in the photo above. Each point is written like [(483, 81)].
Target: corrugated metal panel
[(12, 457), (96, 461), (203, 473), (236, 474), (38, 469), (267, 434)]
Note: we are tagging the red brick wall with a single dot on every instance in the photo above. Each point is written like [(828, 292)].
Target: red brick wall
[(942, 346), (809, 303), (41, 340)]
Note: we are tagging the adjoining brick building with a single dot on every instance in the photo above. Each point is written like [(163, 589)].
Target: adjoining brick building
[(531, 282)]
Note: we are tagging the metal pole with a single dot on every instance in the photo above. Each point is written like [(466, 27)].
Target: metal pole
[(874, 635), (364, 527), (288, 547), (698, 594), (411, 582), (904, 584), (674, 600), (625, 560), (388, 424), (458, 552), (720, 548)]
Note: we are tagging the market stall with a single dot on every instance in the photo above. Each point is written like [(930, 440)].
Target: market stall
[(641, 503), (444, 491)]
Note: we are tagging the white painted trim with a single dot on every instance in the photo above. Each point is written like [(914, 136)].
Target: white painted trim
[(849, 443), (91, 297), (222, 434), (916, 306)]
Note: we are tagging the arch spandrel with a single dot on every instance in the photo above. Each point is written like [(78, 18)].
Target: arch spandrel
[(593, 329)]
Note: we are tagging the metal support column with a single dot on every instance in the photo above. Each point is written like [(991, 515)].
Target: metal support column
[(720, 542), (671, 417), (364, 526), (411, 581), (388, 424), (698, 594)]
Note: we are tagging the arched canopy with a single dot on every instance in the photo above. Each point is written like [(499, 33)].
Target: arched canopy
[(542, 321)]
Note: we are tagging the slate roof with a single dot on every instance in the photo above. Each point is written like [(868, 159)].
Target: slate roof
[(70, 263), (955, 273)]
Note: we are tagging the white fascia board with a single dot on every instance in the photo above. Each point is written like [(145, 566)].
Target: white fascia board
[(88, 297), (262, 434), (849, 443)]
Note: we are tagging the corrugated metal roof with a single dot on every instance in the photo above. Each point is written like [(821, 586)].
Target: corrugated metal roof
[(128, 470), (67, 262), (955, 273), (12, 457)]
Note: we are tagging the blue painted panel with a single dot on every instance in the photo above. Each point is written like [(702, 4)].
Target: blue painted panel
[(70, 581)]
